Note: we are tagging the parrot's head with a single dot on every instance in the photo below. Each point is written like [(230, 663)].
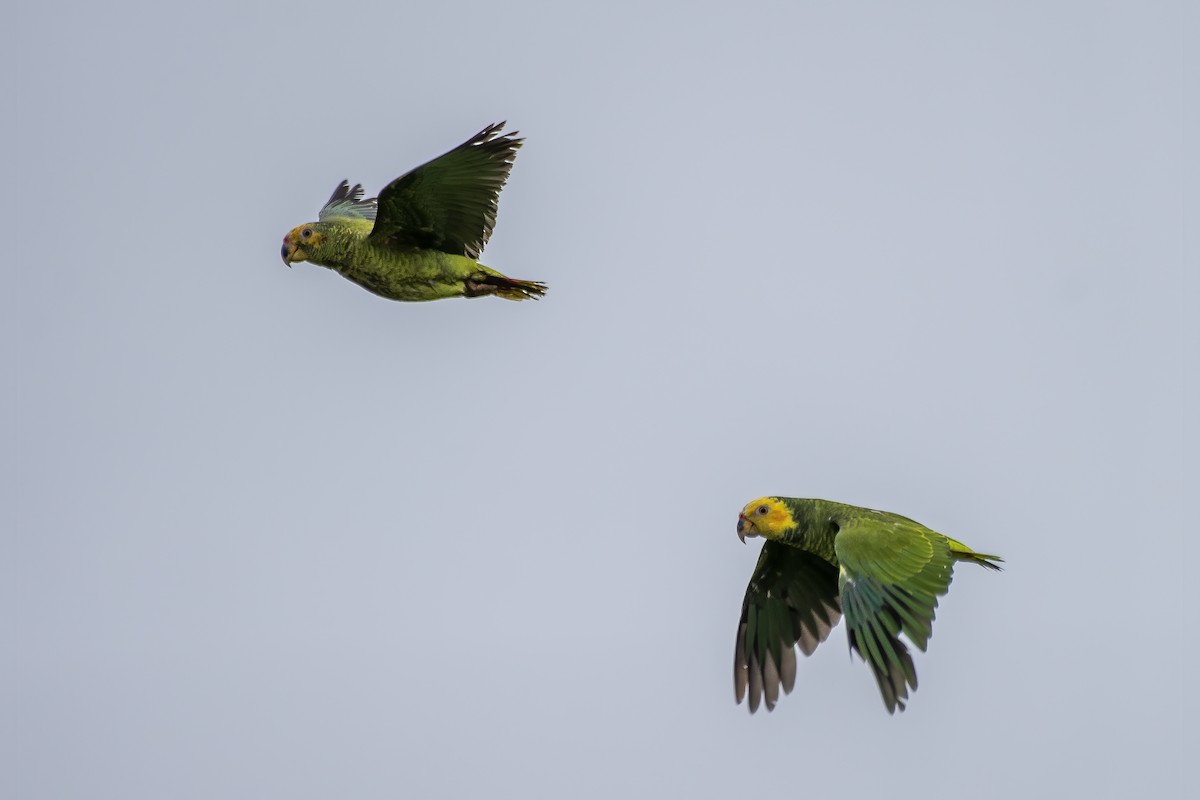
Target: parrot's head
[(302, 242), (767, 517)]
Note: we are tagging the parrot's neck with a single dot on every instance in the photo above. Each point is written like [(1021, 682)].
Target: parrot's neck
[(339, 242), (814, 532)]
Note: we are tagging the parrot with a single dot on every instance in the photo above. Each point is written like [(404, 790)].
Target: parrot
[(823, 559), (421, 237)]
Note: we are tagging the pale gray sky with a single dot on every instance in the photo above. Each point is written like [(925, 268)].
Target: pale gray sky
[(267, 535)]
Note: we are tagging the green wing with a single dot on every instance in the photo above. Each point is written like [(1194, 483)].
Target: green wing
[(347, 203), (892, 572), (449, 204), (791, 600)]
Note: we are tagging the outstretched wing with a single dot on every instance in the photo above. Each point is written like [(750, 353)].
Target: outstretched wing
[(892, 572), (791, 600), (347, 202), (449, 204)]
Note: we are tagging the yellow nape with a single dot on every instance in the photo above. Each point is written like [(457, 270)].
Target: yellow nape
[(770, 517)]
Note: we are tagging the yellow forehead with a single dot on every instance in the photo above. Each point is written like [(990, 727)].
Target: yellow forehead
[(315, 238), (777, 519)]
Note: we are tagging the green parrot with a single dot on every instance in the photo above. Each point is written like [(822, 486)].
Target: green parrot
[(822, 559), (419, 240)]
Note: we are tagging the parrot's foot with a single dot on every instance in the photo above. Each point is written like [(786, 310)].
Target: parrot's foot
[(509, 288)]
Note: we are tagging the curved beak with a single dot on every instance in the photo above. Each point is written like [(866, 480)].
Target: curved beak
[(287, 250), (745, 528)]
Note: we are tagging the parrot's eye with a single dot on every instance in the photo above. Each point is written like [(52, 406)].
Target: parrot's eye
[(307, 232), (761, 511)]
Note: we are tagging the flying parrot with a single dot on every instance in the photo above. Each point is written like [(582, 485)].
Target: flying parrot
[(419, 240), (823, 559)]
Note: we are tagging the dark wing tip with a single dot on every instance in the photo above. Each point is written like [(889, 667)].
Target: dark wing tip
[(501, 143), (345, 193), (889, 659)]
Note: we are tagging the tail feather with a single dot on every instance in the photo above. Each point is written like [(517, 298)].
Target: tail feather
[(960, 552), (513, 289), (503, 286)]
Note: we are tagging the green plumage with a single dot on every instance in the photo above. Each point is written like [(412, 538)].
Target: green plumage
[(884, 572), (421, 238)]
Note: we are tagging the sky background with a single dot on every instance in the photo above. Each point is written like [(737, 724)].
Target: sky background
[(268, 535)]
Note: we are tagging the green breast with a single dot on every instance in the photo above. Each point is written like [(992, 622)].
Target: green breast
[(409, 274)]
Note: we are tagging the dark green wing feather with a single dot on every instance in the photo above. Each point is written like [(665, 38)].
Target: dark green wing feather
[(892, 572), (449, 203), (791, 600)]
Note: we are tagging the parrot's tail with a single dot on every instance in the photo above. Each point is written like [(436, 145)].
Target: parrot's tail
[(961, 552), (503, 286), (512, 289)]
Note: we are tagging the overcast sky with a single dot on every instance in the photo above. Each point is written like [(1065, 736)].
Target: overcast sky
[(268, 535)]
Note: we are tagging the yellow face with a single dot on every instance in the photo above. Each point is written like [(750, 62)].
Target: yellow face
[(298, 244), (767, 517)]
